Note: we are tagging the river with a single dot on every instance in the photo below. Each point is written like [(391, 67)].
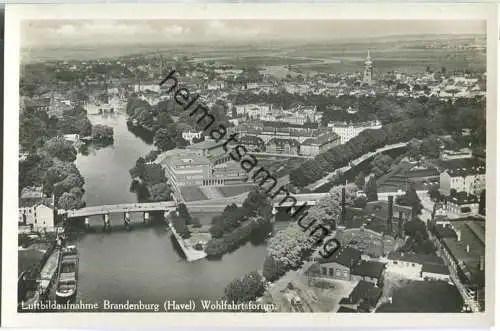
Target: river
[(144, 264)]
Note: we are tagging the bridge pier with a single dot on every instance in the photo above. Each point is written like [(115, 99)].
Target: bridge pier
[(87, 224), (107, 224), (126, 220), (274, 212), (146, 217)]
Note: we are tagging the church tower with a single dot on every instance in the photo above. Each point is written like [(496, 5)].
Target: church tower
[(368, 73)]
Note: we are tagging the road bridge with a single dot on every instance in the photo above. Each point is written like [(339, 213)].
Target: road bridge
[(119, 208)]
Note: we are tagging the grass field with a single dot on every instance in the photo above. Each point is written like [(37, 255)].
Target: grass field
[(229, 191), (192, 193)]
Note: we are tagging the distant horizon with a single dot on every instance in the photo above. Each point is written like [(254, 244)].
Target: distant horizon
[(339, 40), (87, 33)]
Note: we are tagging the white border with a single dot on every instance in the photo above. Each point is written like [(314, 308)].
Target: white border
[(15, 13)]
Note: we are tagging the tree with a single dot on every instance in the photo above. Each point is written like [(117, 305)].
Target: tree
[(71, 181), (180, 226), (69, 201), (160, 192), (257, 203), (246, 289), (272, 269), (360, 180), (434, 194), (163, 140), (184, 213), (371, 190), (153, 174), (60, 148), (412, 200), (102, 133)]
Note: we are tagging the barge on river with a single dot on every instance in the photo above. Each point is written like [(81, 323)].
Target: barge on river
[(67, 282)]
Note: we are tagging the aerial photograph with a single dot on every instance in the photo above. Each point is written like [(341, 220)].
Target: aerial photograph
[(252, 166)]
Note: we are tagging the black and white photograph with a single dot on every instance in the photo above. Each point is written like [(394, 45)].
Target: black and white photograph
[(226, 165)]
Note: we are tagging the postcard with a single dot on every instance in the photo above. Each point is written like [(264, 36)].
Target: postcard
[(249, 165)]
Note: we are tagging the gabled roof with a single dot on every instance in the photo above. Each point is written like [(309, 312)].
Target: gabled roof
[(345, 256), (371, 269), (364, 290)]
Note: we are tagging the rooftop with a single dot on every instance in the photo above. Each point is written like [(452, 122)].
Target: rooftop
[(463, 167), (175, 157), (32, 192), (364, 290), (416, 258), (461, 198), (321, 139), (206, 144), (371, 269), (345, 256)]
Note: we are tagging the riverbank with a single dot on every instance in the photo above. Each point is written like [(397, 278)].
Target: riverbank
[(191, 253)]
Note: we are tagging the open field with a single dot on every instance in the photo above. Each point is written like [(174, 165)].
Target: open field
[(192, 193), (232, 190)]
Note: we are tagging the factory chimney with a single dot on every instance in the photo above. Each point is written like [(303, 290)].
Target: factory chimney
[(400, 224), (342, 204), (390, 215)]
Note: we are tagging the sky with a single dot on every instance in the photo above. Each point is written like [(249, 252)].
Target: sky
[(53, 33)]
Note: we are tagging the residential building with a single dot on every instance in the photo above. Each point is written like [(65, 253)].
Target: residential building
[(347, 131), (411, 265), (36, 210), (283, 146), (320, 144), (190, 135), (73, 138), (369, 271), (254, 111), (462, 203), (464, 153), (38, 104), (466, 175), (253, 143), (340, 264), (39, 217), (363, 298)]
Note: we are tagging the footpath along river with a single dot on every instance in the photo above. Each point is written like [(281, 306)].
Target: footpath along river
[(144, 264)]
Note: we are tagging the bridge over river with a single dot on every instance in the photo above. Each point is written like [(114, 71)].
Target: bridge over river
[(212, 205), (119, 208)]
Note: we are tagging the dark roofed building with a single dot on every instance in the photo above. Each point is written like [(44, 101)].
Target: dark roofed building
[(462, 203), (340, 264), (363, 297), (370, 271)]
